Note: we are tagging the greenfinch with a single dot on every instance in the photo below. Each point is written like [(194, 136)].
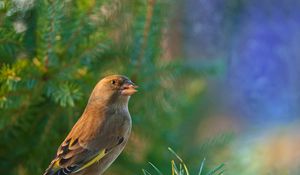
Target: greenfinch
[(100, 134)]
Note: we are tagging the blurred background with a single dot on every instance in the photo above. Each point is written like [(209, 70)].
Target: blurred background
[(218, 80)]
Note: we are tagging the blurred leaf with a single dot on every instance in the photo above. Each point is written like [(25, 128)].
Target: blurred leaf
[(67, 94)]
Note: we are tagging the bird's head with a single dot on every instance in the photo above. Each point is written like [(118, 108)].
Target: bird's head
[(114, 89)]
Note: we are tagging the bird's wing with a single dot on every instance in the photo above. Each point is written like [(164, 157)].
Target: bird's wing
[(73, 156)]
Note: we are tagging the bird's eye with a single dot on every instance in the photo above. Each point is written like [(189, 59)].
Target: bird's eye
[(113, 82)]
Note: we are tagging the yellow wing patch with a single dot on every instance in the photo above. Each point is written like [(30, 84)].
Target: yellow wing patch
[(55, 165), (95, 159)]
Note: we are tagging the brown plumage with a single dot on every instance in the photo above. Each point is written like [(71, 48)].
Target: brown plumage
[(100, 134)]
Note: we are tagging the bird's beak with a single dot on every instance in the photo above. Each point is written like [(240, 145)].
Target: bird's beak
[(128, 88)]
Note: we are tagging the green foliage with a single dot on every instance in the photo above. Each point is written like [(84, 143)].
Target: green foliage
[(66, 94), (182, 168), (52, 54)]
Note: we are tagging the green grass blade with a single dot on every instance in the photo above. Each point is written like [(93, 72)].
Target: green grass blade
[(201, 167), (173, 152), (182, 162), (145, 172), (216, 169), (156, 169), (186, 169), (221, 173), (174, 167)]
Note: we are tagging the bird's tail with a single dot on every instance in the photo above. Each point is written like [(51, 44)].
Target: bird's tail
[(49, 170), (55, 169), (52, 169)]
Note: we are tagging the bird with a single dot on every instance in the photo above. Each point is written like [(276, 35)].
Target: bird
[(100, 134)]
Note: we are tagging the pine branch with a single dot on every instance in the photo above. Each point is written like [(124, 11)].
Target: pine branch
[(78, 30), (149, 15)]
